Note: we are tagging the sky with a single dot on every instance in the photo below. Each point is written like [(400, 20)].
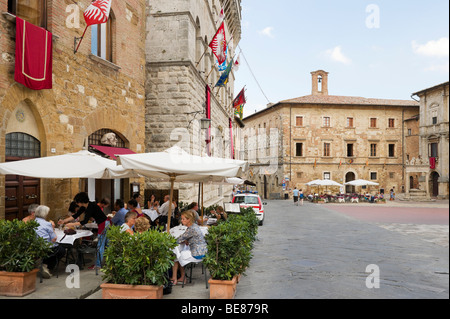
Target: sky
[(373, 49)]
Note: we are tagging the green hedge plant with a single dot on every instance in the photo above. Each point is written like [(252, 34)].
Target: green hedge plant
[(20, 246), (230, 245), (139, 259)]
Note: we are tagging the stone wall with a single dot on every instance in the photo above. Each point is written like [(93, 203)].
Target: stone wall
[(88, 93), (312, 164), (179, 66)]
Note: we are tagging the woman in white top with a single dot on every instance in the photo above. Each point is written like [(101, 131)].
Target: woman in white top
[(130, 220)]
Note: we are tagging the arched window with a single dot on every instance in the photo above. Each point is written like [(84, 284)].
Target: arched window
[(22, 145), (96, 139), (34, 11), (102, 39)]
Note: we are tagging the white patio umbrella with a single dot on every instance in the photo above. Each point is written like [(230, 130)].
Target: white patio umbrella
[(82, 164), (323, 182), (361, 182), (175, 164)]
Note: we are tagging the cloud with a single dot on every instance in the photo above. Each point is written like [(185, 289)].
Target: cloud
[(444, 68), (267, 32), (434, 48), (336, 55)]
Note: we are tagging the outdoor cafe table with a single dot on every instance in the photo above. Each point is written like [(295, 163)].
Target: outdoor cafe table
[(153, 214), (70, 239), (177, 232)]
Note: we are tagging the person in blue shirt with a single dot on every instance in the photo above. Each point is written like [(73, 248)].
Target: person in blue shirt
[(46, 230), (295, 193), (121, 211)]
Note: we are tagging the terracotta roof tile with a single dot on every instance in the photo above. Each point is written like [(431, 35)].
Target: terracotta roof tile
[(348, 100)]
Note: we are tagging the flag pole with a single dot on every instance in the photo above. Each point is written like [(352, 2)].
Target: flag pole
[(209, 73), (81, 39)]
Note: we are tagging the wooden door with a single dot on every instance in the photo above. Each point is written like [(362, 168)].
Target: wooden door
[(20, 192)]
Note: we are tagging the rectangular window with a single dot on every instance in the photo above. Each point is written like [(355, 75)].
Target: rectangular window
[(299, 121), (327, 175), (409, 132), (391, 150), (326, 121), (326, 149), (34, 11), (373, 122), (391, 175), (349, 121), (298, 149), (434, 120), (350, 150), (101, 40), (433, 150), (391, 123), (373, 175), (373, 150)]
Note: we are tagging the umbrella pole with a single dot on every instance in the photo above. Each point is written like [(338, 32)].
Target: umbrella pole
[(169, 217), (202, 203)]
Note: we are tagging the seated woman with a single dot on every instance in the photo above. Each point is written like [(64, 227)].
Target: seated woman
[(46, 230), (133, 207), (130, 221), (142, 224), (220, 213), (193, 236)]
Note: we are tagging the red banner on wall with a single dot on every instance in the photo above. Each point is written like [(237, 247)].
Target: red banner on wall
[(33, 67)]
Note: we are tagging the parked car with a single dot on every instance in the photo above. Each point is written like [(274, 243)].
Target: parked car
[(251, 200)]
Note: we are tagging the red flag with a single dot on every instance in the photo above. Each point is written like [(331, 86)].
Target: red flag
[(97, 12), (34, 58), (240, 99), (432, 162), (219, 44)]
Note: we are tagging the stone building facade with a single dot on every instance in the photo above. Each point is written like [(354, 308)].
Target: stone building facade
[(92, 94), (324, 136), (431, 166), (180, 66)]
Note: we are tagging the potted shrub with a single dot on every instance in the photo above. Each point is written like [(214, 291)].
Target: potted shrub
[(136, 265), (20, 249), (230, 247)]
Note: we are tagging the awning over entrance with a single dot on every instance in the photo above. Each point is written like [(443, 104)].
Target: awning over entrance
[(112, 151)]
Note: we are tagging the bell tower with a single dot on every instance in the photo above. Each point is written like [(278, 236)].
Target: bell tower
[(319, 82)]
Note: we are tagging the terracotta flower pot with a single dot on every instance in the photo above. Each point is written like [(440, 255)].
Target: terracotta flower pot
[(116, 291), (17, 284), (222, 289)]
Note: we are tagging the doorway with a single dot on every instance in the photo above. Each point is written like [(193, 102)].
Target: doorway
[(20, 191), (350, 176), (434, 184)]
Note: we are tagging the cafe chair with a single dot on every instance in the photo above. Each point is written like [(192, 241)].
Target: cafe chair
[(85, 248), (190, 266)]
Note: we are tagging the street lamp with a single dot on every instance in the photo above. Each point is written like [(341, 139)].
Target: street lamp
[(205, 123)]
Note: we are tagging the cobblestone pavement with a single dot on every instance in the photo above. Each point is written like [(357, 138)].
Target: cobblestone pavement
[(316, 252), (322, 252)]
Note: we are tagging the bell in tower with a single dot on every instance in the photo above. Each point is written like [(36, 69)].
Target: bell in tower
[(319, 82)]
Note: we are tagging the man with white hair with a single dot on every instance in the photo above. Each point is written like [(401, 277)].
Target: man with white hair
[(31, 211), (46, 230)]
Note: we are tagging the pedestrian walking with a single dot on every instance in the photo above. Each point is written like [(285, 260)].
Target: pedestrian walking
[(301, 197), (295, 193), (392, 194)]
